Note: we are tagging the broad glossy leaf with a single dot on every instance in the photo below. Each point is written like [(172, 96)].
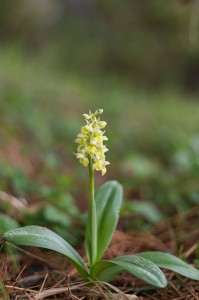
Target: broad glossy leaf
[(42, 237), (141, 268), (171, 262), (105, 270), (108, 203)]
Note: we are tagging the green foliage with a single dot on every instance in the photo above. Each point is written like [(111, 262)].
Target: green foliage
[(42, 237), (168, 261), (108, 204), (54, 215), (6, 223), (140, 166), (57, 210), (141, 268), (156, 139), (142, 208), (107, 42), (17, 180), (155, 142)]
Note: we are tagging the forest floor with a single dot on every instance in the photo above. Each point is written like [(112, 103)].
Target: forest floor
[(33, 273)]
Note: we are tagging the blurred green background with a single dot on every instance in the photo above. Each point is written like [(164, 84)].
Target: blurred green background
[(139, 61)]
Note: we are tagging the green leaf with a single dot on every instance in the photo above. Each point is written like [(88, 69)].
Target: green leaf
[(105, 270), (54, 215), (6, 223), (146, 209), (108, 203), (143, 269), (138, 266), (171, 262), (42, 237)]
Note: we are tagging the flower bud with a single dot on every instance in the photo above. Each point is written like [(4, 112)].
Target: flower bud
[(102, 124), (87, 117)]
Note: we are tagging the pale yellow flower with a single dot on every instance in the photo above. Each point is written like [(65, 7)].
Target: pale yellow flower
[(90, 141)]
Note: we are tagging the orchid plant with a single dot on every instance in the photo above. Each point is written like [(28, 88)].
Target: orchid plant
[(103, 214)]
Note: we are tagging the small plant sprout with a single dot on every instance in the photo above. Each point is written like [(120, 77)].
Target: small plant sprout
[(103, 214)]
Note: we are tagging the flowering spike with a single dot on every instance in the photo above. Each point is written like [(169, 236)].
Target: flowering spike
[(90, 141)]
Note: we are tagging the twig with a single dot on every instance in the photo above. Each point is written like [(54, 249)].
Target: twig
[(43, 283), (19, 204), (175, 288)]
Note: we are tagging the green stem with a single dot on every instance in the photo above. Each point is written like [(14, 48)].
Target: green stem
[(93, 214)]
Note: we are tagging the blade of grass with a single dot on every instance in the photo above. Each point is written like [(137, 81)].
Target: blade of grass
[(3, 290)]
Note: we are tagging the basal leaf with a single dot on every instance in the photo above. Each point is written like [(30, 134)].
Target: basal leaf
[(138, 266), (42, 237), (143, 269), (108, 203), (171, 262), (105, 270)]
